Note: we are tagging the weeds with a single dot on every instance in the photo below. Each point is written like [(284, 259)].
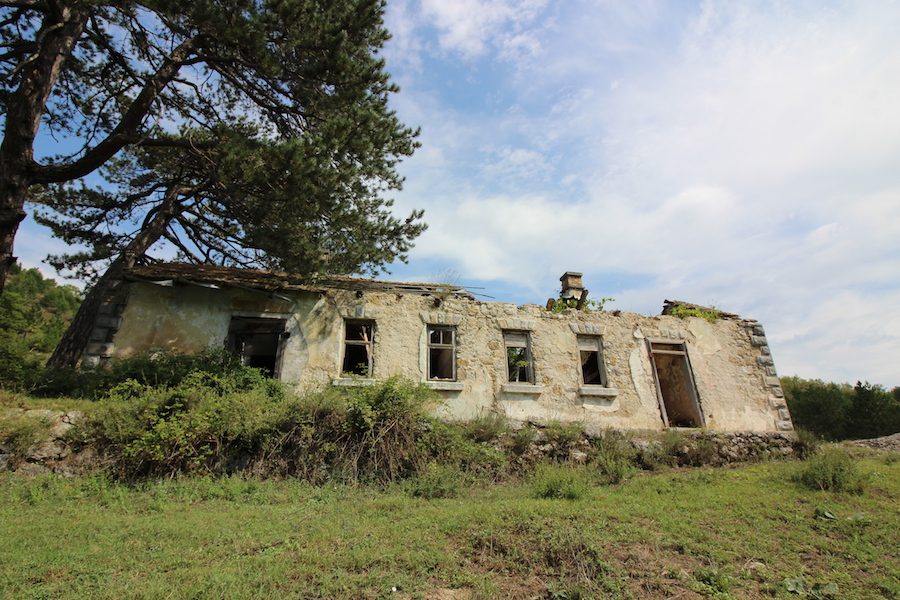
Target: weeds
[(19, 432), (437, 482), (831, 470), (560, 482), (614, 457), (485, 427), (721, 534), (683, 312), (808, 443)]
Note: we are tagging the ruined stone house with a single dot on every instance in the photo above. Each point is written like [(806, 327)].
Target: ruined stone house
[(605, 368)]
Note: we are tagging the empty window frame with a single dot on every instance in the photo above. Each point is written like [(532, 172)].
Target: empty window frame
[(358, 340), (258, 342), (590, 352), (441, 353), (675, 388), (519, 366)]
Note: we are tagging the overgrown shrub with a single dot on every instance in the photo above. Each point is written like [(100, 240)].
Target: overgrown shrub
[(161, 368), (807, 444), (438, 481), (485, 427), (451, 444), (834, 470), (242, 420), (193, 426), (614, 456), (18, 432), (387, 421), (564, 482)]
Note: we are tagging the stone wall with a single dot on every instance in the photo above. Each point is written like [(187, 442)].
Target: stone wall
[(50, 452), (732, 368)]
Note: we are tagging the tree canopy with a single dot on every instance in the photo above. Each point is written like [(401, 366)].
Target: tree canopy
[(841, 411), (255, 132)]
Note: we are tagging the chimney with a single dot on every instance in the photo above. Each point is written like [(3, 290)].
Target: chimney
[(571, 285)]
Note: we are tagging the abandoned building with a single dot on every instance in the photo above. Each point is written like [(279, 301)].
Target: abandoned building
[(608, 368)]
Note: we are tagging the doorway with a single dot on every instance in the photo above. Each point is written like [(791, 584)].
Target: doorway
[(675, 388), (258, 342)]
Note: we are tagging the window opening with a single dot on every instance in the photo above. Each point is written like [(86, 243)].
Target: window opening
[(676, 391), (590, 350), (258, 342), (442, 352), (518, 356), (358, 337)]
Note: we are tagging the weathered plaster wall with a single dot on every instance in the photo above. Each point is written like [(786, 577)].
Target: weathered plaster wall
[(732, 370)]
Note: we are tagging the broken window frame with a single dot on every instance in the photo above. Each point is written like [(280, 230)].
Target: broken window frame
[(438, 347), (242, 328), (520, 343), (366, 342), (592, 345)]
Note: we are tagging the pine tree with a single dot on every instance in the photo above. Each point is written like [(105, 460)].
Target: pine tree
[(242, 132), (297, 79)]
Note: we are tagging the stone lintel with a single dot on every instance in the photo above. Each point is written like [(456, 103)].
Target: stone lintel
[(515, 324), (441, 318), (587, 328)]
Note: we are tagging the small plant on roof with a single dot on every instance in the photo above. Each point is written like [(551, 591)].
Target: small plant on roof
[(561, 304), (683, 312)]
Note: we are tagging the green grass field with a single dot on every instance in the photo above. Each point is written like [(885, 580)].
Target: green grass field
[(745, 532)]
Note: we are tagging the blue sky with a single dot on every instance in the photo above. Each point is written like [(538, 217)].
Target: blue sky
[(741, 154)]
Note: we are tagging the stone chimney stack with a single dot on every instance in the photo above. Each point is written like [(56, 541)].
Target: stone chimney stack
[(571, 285)]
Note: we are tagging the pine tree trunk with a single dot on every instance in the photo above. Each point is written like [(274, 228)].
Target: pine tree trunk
[(76, 338), (60, 30)]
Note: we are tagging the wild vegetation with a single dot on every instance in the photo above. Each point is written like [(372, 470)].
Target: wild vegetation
[(209, 480), (749, 532), (34, 313), (841, 411), (683, 312)]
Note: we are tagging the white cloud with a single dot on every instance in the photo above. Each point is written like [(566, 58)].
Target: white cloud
[(471, 27), (742, 154)]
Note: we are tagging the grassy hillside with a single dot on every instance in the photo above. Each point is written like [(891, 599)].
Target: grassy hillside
[(752, 531)]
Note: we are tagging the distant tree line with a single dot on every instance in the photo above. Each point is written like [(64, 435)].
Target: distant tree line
[(34, 313), (839, 411)]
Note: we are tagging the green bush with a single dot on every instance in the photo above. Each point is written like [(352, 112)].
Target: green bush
[(808, 443), (438, 481), (451, 444), (614, 456), (386, 422), (242, 420), (485, 427), (194, 426), (564, 482), (18, 432), (833, 470)]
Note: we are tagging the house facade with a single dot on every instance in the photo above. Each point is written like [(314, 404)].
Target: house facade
[(609, 369)]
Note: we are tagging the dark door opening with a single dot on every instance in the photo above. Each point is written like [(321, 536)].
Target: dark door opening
[(675, 389), (259, 342)]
